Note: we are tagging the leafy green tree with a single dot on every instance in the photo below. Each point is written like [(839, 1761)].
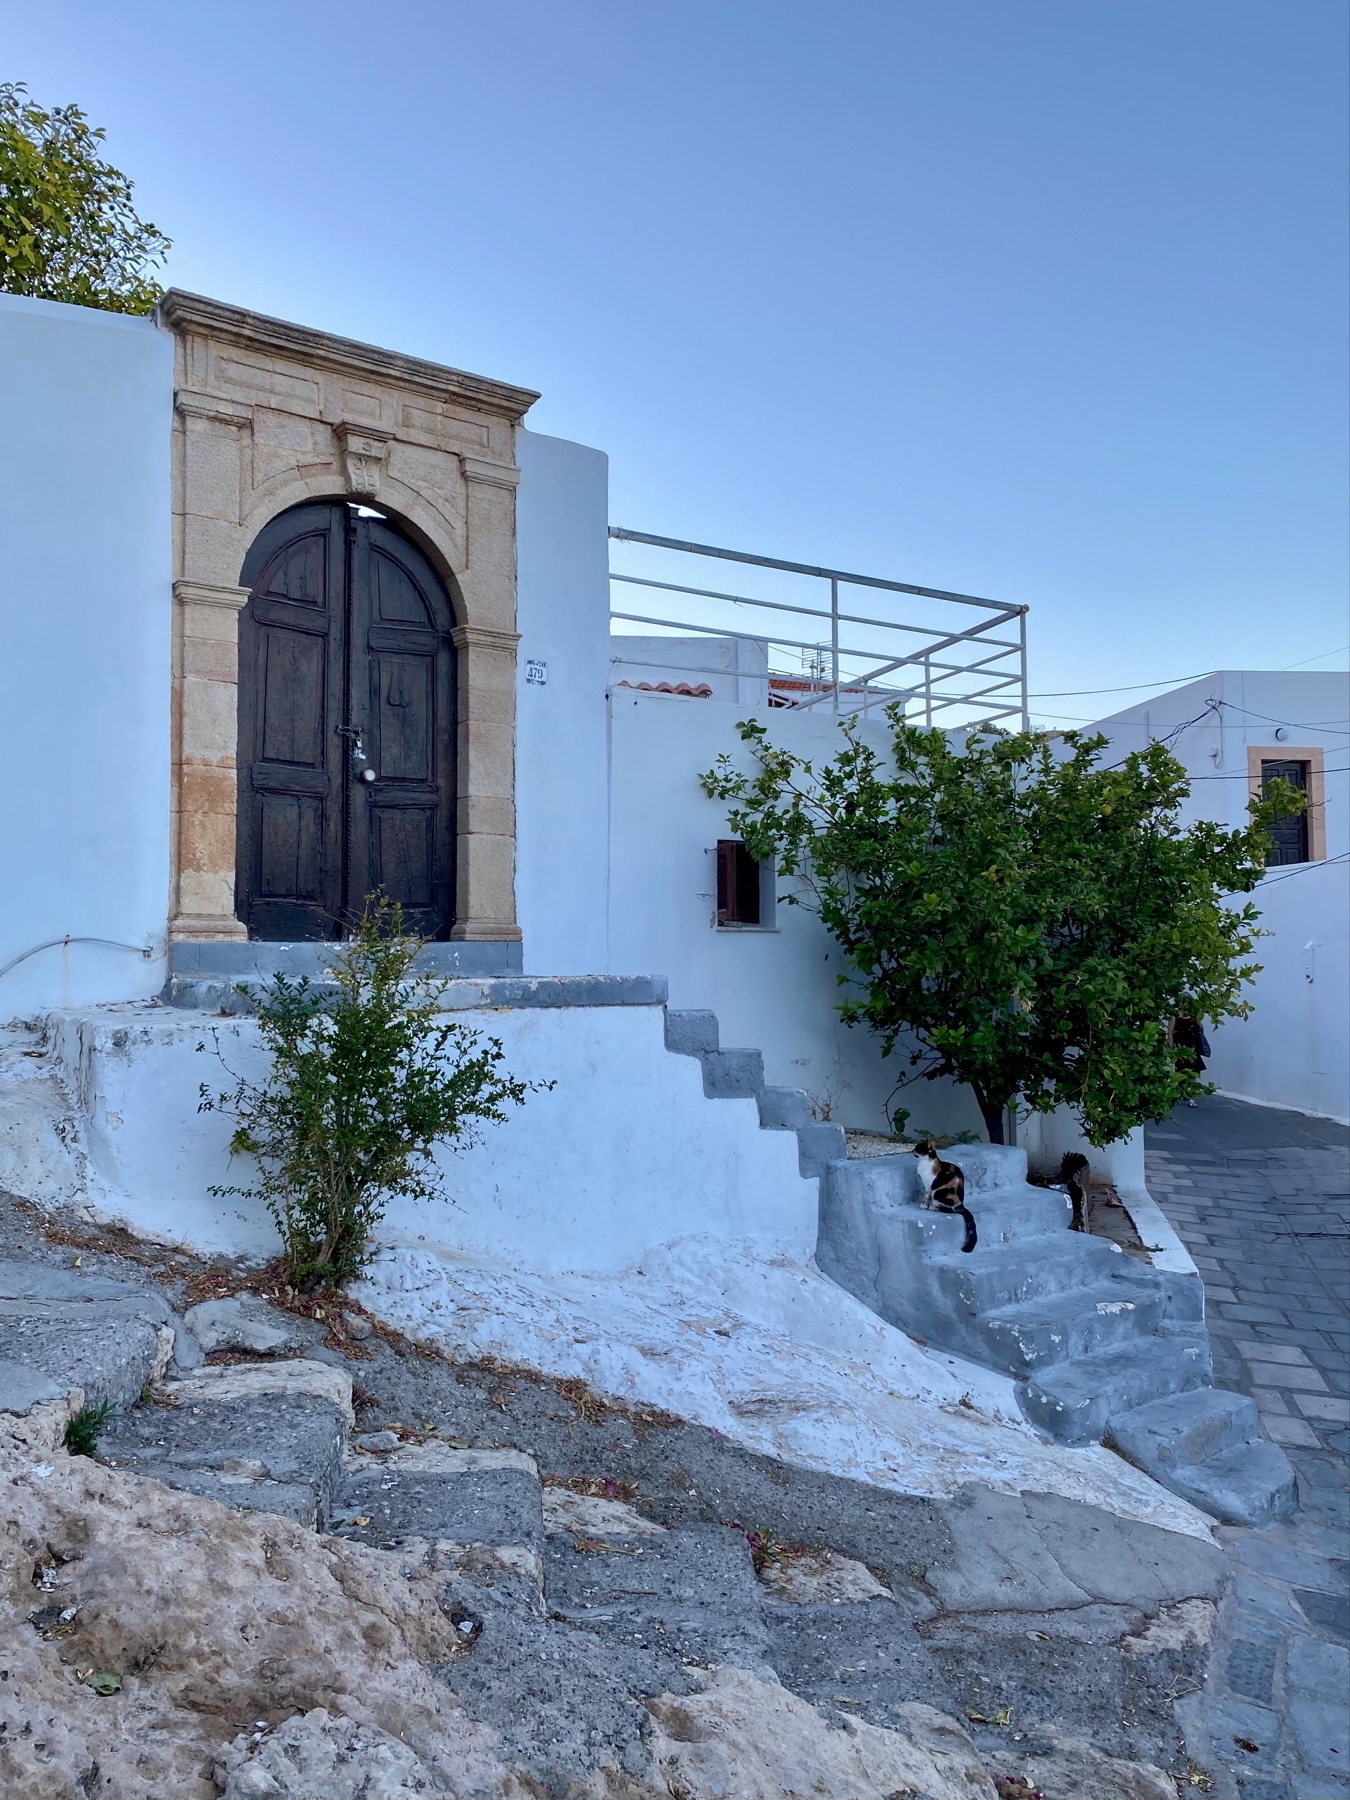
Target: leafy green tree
[(1014, 914), (68, 230), (365, 1081)]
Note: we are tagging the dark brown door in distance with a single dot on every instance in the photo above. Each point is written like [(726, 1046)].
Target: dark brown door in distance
[(346, 728)]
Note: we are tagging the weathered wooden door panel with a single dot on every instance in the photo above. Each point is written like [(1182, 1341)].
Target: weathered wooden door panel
[(402, 698), (346, 728)]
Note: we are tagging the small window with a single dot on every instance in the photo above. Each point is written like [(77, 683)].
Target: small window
[(740, 885), (1288, 835)]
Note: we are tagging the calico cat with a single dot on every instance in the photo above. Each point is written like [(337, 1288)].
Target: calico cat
[(1073, 1172), (946, 1188)]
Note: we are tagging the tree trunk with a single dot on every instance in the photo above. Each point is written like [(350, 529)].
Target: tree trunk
[(992, 1113)]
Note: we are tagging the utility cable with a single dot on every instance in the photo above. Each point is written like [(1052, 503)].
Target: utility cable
[(144, 950)]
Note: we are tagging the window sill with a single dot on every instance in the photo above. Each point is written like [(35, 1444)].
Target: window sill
[(734, 928)]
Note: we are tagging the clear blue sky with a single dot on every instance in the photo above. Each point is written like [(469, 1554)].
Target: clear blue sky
[(1037, 299)]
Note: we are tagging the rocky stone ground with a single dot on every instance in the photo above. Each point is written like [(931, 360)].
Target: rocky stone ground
[(312, 1560)]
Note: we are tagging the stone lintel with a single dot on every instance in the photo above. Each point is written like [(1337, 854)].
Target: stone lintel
[(194, 313)]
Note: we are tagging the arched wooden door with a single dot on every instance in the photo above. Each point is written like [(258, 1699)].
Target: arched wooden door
[(346, 728)]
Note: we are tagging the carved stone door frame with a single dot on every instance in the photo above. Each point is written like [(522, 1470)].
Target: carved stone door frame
[(267, 415)]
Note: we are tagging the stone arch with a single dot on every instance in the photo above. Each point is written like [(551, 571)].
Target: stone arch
[(270, 415)]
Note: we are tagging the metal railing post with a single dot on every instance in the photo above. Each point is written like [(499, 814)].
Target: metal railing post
[(834, 641), (1022, 635), (927, 693)]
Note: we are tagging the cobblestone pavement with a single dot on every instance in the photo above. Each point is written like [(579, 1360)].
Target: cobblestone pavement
[(1260, 1200)]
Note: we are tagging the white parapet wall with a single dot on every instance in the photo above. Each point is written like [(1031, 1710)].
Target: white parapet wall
[(85, 606), (622, 1153)]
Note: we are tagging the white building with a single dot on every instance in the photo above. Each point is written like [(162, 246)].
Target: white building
[(173, 802), (1230, 731)]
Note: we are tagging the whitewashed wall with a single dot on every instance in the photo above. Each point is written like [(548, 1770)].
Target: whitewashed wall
[(561, 748), (87, 402), (622, 1153), (774, 990), (1294, 1051)]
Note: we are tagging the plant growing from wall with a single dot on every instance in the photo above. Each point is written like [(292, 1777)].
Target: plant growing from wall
[(366, 1079), (1014, 914), (68, 230)]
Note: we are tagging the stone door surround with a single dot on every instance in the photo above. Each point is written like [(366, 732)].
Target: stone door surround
[(269, 414)]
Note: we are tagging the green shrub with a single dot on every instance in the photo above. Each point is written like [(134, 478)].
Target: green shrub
[(365, 1082), (81, 1433), (68, 230)]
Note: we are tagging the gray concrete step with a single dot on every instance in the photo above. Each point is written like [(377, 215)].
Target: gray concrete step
[(277, 1453), (1010, 1215), (1074, 1400), (863, 1658), (692, 1590), (995, 1275), (739, 1075), (1206, 1446), (1078, 1322), (258, 1437), (477, 1513), (71, 1329)]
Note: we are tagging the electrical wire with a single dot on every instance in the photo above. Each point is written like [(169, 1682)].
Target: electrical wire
[(1321, 863), (144, 950), (1129, 688), (1336, 725)]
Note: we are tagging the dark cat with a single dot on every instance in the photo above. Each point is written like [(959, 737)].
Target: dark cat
[(1073, 1172), (946, 1188)]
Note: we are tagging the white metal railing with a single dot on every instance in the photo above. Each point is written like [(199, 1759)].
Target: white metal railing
[(855, 662)]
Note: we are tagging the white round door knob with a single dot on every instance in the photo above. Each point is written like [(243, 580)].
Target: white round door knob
[(368, 775)]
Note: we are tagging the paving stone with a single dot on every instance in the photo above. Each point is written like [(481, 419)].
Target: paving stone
[(1267, 1556), (1286, 1374), (1289, 1431), (1294, 1340), (1323, 1732), (1324, 1406), (1320, 1669), (1259, 1599), (1251, 1670), (1230, 1720), (1330, 1612)]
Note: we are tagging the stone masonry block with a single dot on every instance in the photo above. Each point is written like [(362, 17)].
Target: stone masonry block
[(690, 1033)]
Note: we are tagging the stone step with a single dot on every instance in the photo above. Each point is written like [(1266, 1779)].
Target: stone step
[(691, 1590), (1078, 1322), (732, 1074), (1206, 1446), (1013, 1214), (1074, 1400), (477, 1513), (784, 1109), (276, 1453), (75, 1330), (988, 1167), (864, 1654), (258, 1437), (995, 1275)]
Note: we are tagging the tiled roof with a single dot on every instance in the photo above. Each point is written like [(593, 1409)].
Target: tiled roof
[(701, 692)]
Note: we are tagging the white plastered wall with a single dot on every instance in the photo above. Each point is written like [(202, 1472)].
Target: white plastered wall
[(624, 1151), (562, 614), (1294, 1051), (773, 990), (84, 647)]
